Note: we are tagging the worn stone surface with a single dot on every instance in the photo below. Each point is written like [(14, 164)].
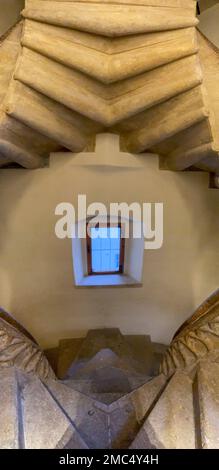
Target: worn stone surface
[(145, 396), (98, 410), (127, 413), (196, 339), (79, 357), (157, 415), (109, 61), (18, 349), (142, 352), (103, 348), (9, 419), (81, 68), (44, 423), (110, 19), (68, 349), (208, 396), (91, 423), (9, 50), (97, 340), (171, 424)]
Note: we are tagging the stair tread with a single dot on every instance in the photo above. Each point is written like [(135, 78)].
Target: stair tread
[(110, 19), (67, 351), (108, 61), (161, 429), (208, 392), (48, 428), (84, 415), (79, 357)]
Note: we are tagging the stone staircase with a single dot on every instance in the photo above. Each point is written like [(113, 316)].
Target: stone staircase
[(109, 393), (105, 365), (130, 349), (107, 382), (72, 69)]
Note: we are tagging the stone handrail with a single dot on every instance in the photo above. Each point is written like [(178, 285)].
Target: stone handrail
[(196, 338), (18, 348)]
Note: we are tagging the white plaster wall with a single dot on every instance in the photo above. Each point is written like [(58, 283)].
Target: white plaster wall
[(36, 279), (9, 13)]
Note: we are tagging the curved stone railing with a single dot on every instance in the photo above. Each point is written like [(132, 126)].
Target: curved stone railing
[(18, 348), (180, 411), (196, 338), (7, 317), (83, 68)]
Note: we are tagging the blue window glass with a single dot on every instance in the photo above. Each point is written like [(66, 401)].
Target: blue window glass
[(105, 249)]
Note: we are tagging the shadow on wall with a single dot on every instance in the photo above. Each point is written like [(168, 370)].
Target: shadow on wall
[(10, 14)]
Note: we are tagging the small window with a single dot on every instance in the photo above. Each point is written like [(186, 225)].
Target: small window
[(110, 256), (105, 249)]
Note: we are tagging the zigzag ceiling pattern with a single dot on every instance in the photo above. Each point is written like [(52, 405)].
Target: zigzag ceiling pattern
[(76, 68)]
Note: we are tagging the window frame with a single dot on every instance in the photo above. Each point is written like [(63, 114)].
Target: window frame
[(89, 249)]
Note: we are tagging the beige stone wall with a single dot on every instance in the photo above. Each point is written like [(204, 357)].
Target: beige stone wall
[(36, 280), (10, 12)]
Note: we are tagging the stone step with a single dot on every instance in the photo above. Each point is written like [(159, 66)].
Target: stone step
[(67, 352), (206, 393), (181, 412), (90, 422), (117, 418), (86, 387), (9, 410), (109, 348), (168, 3), (161, 428), (142, 351), (179, 160), (110, 19), (121, 345), (45, 425), (210, 162), (9, 51), (168, 119), (20, 135), (110, 381), (102, 104), (79, 357), (103, 360), (20, 155), (112, 344), (45, 116), (52, 355), (126, 415), (103, 59), (107, 398)]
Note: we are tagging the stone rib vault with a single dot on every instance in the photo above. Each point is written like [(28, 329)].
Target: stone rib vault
[(108, 392), (72, 69)]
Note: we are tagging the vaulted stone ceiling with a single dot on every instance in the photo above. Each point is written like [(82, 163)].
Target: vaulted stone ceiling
[(73, 69)]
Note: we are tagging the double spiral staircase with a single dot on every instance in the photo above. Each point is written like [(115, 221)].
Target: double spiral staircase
[(138, 68), (108, 391)]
